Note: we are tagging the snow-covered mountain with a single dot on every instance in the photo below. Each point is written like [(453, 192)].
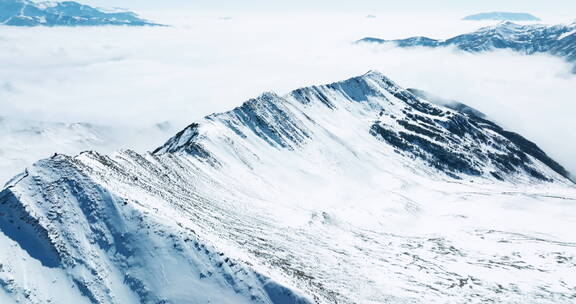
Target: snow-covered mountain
[(63, 13), (558, 40), (504, 16), (353, 192)]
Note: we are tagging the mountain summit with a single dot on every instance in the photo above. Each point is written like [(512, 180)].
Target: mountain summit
[(454, 143), (65, 13), (357, 191)]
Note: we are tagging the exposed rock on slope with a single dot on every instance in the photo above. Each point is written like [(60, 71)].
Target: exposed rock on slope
[(352, 192), (453, 142)]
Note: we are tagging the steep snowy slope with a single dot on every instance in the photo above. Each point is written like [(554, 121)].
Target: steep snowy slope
[(352, 192), (453, 142), (558, 40)]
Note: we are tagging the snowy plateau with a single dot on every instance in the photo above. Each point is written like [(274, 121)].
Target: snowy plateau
[(558, 40), (358, 191)]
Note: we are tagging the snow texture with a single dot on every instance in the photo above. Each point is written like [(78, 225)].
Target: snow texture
[(352, 192)]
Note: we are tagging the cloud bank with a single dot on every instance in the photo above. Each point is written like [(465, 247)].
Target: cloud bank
[(135, 77)]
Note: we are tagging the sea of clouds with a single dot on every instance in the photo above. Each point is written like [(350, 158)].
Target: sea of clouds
[(131, 78)]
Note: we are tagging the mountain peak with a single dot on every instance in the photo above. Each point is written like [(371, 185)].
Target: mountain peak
[(454, 143), (379, 77), (290, 198), (374, 73)]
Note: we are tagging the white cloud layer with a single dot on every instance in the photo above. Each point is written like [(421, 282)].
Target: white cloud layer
[(207, 63)]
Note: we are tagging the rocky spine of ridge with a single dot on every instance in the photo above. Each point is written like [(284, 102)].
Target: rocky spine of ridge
[(456, 143), (222, 211)]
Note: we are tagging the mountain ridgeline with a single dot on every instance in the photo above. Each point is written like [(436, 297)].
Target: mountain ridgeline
[(309, 197), (453, 142), (65, 13), (557, 40)]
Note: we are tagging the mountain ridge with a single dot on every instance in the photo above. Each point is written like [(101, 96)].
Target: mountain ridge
[(557, 40), (63, 13), (269, 111), (236, 209)]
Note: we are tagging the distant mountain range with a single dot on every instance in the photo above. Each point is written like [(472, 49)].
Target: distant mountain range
[(557, 40), (66, 13), (504, 16)]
